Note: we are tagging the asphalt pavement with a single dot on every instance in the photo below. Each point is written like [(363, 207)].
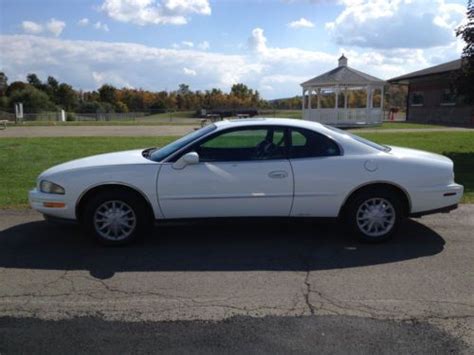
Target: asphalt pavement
[(267, 286)]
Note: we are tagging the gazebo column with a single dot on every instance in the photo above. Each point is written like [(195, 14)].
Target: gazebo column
[(381, 104), (345, 103), (368, 104), (309, 98), (319, 104), (302, 100)]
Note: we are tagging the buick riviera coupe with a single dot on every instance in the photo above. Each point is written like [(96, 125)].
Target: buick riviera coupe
[(250, 168)]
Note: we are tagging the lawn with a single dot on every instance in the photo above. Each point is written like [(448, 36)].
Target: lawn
[(22, 159), (403, 125)]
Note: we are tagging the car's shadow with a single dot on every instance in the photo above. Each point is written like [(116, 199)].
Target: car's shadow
[(225, 246)]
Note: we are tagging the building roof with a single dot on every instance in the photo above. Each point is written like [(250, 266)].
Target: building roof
[(437, 69), (343, 75)]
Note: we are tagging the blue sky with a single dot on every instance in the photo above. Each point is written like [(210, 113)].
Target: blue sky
[(271, 45)]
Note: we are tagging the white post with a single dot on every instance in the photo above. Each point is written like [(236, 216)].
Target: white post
[(319, 105), (336, 106), (63, 116), (19, 111)]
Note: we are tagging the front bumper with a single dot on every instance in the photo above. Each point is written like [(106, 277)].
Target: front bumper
[(51, 204)]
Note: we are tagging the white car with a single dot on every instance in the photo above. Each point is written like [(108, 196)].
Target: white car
[(250, 168)]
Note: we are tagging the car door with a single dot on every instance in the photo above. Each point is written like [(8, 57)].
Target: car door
[(241, 172), (322, 176)]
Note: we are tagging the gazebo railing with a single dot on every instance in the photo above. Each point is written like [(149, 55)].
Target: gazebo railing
[(345, 117)]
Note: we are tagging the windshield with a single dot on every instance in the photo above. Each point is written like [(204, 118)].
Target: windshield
[(161, 153), (381, 147)]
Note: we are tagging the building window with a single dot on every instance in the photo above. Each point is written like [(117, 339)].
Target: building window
[(448, 97), (417, 98)]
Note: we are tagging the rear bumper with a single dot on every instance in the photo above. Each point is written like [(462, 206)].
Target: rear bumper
[(446, 209), (441, 197)]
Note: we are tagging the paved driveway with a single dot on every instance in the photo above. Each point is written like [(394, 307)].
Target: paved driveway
[(205, 288)]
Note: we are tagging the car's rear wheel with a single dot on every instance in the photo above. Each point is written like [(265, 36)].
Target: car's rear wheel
[(374, 215), (116, 217)]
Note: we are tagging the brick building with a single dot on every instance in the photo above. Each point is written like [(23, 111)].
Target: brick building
[(431, 98)]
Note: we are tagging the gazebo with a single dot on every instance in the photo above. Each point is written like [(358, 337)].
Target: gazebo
[(327, 97)]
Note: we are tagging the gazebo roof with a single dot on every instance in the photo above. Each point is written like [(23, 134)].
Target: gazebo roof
[(343, 75)]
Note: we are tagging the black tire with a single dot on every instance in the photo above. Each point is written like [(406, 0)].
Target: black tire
[(354, 210), (140, 211)]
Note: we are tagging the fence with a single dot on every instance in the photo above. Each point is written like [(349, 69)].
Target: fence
[(160, 117)]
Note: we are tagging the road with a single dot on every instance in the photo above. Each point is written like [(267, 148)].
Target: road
[(162, 130), (265, 286)]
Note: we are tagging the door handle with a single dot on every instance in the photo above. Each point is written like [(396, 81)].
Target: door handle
[(278, 174)]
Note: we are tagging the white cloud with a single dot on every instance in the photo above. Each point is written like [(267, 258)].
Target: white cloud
[(189, 72), (83, 22), (56, 27), (31, 27), (147, 12), (204, 45), (274, 71), (183, 44), (88, 64), (396, 23), (257, 41), (101, 26), (301, 23), (188, 44)]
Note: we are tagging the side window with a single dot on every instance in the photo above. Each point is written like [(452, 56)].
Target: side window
[(244, 144), (307, 144), (417, 98)]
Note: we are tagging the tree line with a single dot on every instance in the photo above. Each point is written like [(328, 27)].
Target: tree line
[(51, 95)]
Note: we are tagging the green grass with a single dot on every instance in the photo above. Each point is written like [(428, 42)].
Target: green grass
[(22, 159), (403, 125)]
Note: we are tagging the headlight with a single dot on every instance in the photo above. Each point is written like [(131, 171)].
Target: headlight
[(51, 188)]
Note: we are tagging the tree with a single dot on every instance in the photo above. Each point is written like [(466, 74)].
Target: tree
[(3, 83), (15, 86), (33, 99), (183, 89), (66, 97), (52, 82), (33, 79), (464, 81), (241, 91), (108, 93), (121, 107)]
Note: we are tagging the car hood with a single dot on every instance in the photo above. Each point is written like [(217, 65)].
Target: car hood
[(119, 158), (400, 152)]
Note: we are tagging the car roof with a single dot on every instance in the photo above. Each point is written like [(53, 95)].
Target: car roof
[(262, 121)]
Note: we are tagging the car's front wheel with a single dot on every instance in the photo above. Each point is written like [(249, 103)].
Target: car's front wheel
[(374, 216), (116, 218)]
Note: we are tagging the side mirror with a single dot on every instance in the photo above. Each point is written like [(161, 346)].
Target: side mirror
[(190, 158)]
